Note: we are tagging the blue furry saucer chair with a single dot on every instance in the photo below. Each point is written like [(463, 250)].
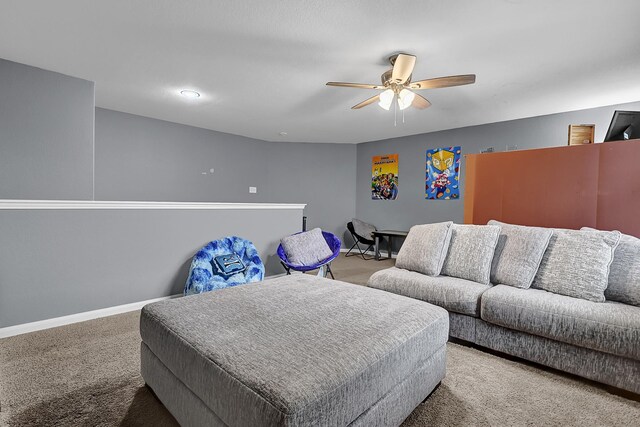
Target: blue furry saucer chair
[(223, 263)]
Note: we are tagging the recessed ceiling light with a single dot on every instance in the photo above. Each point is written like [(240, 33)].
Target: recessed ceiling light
[(190, 94)]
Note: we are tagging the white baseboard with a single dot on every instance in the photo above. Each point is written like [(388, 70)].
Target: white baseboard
[(383, 254), (25, 328), (75, 318)]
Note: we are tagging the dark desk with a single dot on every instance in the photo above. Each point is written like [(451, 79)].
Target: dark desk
[(390, 234)]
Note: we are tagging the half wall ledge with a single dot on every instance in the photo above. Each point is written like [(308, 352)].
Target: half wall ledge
[(7, 204)]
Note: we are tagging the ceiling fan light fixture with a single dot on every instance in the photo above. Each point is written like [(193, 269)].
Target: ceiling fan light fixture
[(405, 98), (191, 94), (386, 99)]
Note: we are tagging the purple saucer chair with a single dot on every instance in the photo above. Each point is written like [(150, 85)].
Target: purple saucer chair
[(334, 244)]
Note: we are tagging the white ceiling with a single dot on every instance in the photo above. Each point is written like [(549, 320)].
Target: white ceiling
[(262, 65)]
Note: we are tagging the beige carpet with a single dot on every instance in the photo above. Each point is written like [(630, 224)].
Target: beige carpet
[(354, 270), (87, 374)]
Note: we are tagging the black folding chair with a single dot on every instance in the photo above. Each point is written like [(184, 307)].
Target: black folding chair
[(359, 239)]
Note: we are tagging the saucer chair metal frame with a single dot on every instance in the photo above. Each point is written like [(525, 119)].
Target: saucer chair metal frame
[(334, 244), (359, 239)]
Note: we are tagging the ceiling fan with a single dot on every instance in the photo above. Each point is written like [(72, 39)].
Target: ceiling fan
[(397, 84)]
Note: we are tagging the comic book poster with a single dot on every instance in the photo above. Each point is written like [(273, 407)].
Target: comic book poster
[(443, 173), (384, 177)]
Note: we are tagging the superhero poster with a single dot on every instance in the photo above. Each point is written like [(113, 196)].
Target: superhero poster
[(384, 177), (443, 173)]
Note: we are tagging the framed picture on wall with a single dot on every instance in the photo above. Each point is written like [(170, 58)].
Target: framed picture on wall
[(384, 177), (581, 134), (443, 173)]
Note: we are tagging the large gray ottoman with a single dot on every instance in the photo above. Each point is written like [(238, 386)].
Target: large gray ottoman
[(293, 351)]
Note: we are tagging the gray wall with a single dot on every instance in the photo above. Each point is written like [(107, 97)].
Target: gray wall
[(46, 134), (411, 207), (47, 123), (59, 262), (55, 263), (138, 158)]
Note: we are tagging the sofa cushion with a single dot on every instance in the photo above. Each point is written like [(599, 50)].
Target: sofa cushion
[(471, 252), (610, 327), (624, 275), (576, 263), (454, 294), (425, 248), (518, 254), (308, 248)]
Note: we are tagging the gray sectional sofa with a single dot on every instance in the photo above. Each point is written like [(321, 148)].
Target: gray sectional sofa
[(568, 299)]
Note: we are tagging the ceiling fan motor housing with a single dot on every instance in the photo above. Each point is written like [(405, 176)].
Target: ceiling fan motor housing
[(387, 82)]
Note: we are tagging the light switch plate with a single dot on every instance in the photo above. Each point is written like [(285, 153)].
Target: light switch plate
[(253, 190)]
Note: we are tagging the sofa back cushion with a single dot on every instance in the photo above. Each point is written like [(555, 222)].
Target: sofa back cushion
[(624, 275), (425, 248), (576, 263), (308, 248), (471, 252), (518, 254)]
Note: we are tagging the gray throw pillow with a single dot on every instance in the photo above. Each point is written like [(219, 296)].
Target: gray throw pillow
[(425, 248), (518, 254), (624, 275), (576, 263), (308, 248), (471, 252), (363, 229)]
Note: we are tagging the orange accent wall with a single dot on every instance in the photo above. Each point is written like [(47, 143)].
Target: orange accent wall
[(595, 185)]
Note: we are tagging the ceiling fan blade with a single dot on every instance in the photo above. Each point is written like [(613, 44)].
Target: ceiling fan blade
[(403, 67), (439, 82), (366, 102), (356, 85), (420, 102)]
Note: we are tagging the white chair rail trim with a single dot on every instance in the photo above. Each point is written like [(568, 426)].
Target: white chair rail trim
[(90, 204)]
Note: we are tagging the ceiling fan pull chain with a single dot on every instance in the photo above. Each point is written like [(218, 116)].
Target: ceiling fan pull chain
[(395, 112)]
